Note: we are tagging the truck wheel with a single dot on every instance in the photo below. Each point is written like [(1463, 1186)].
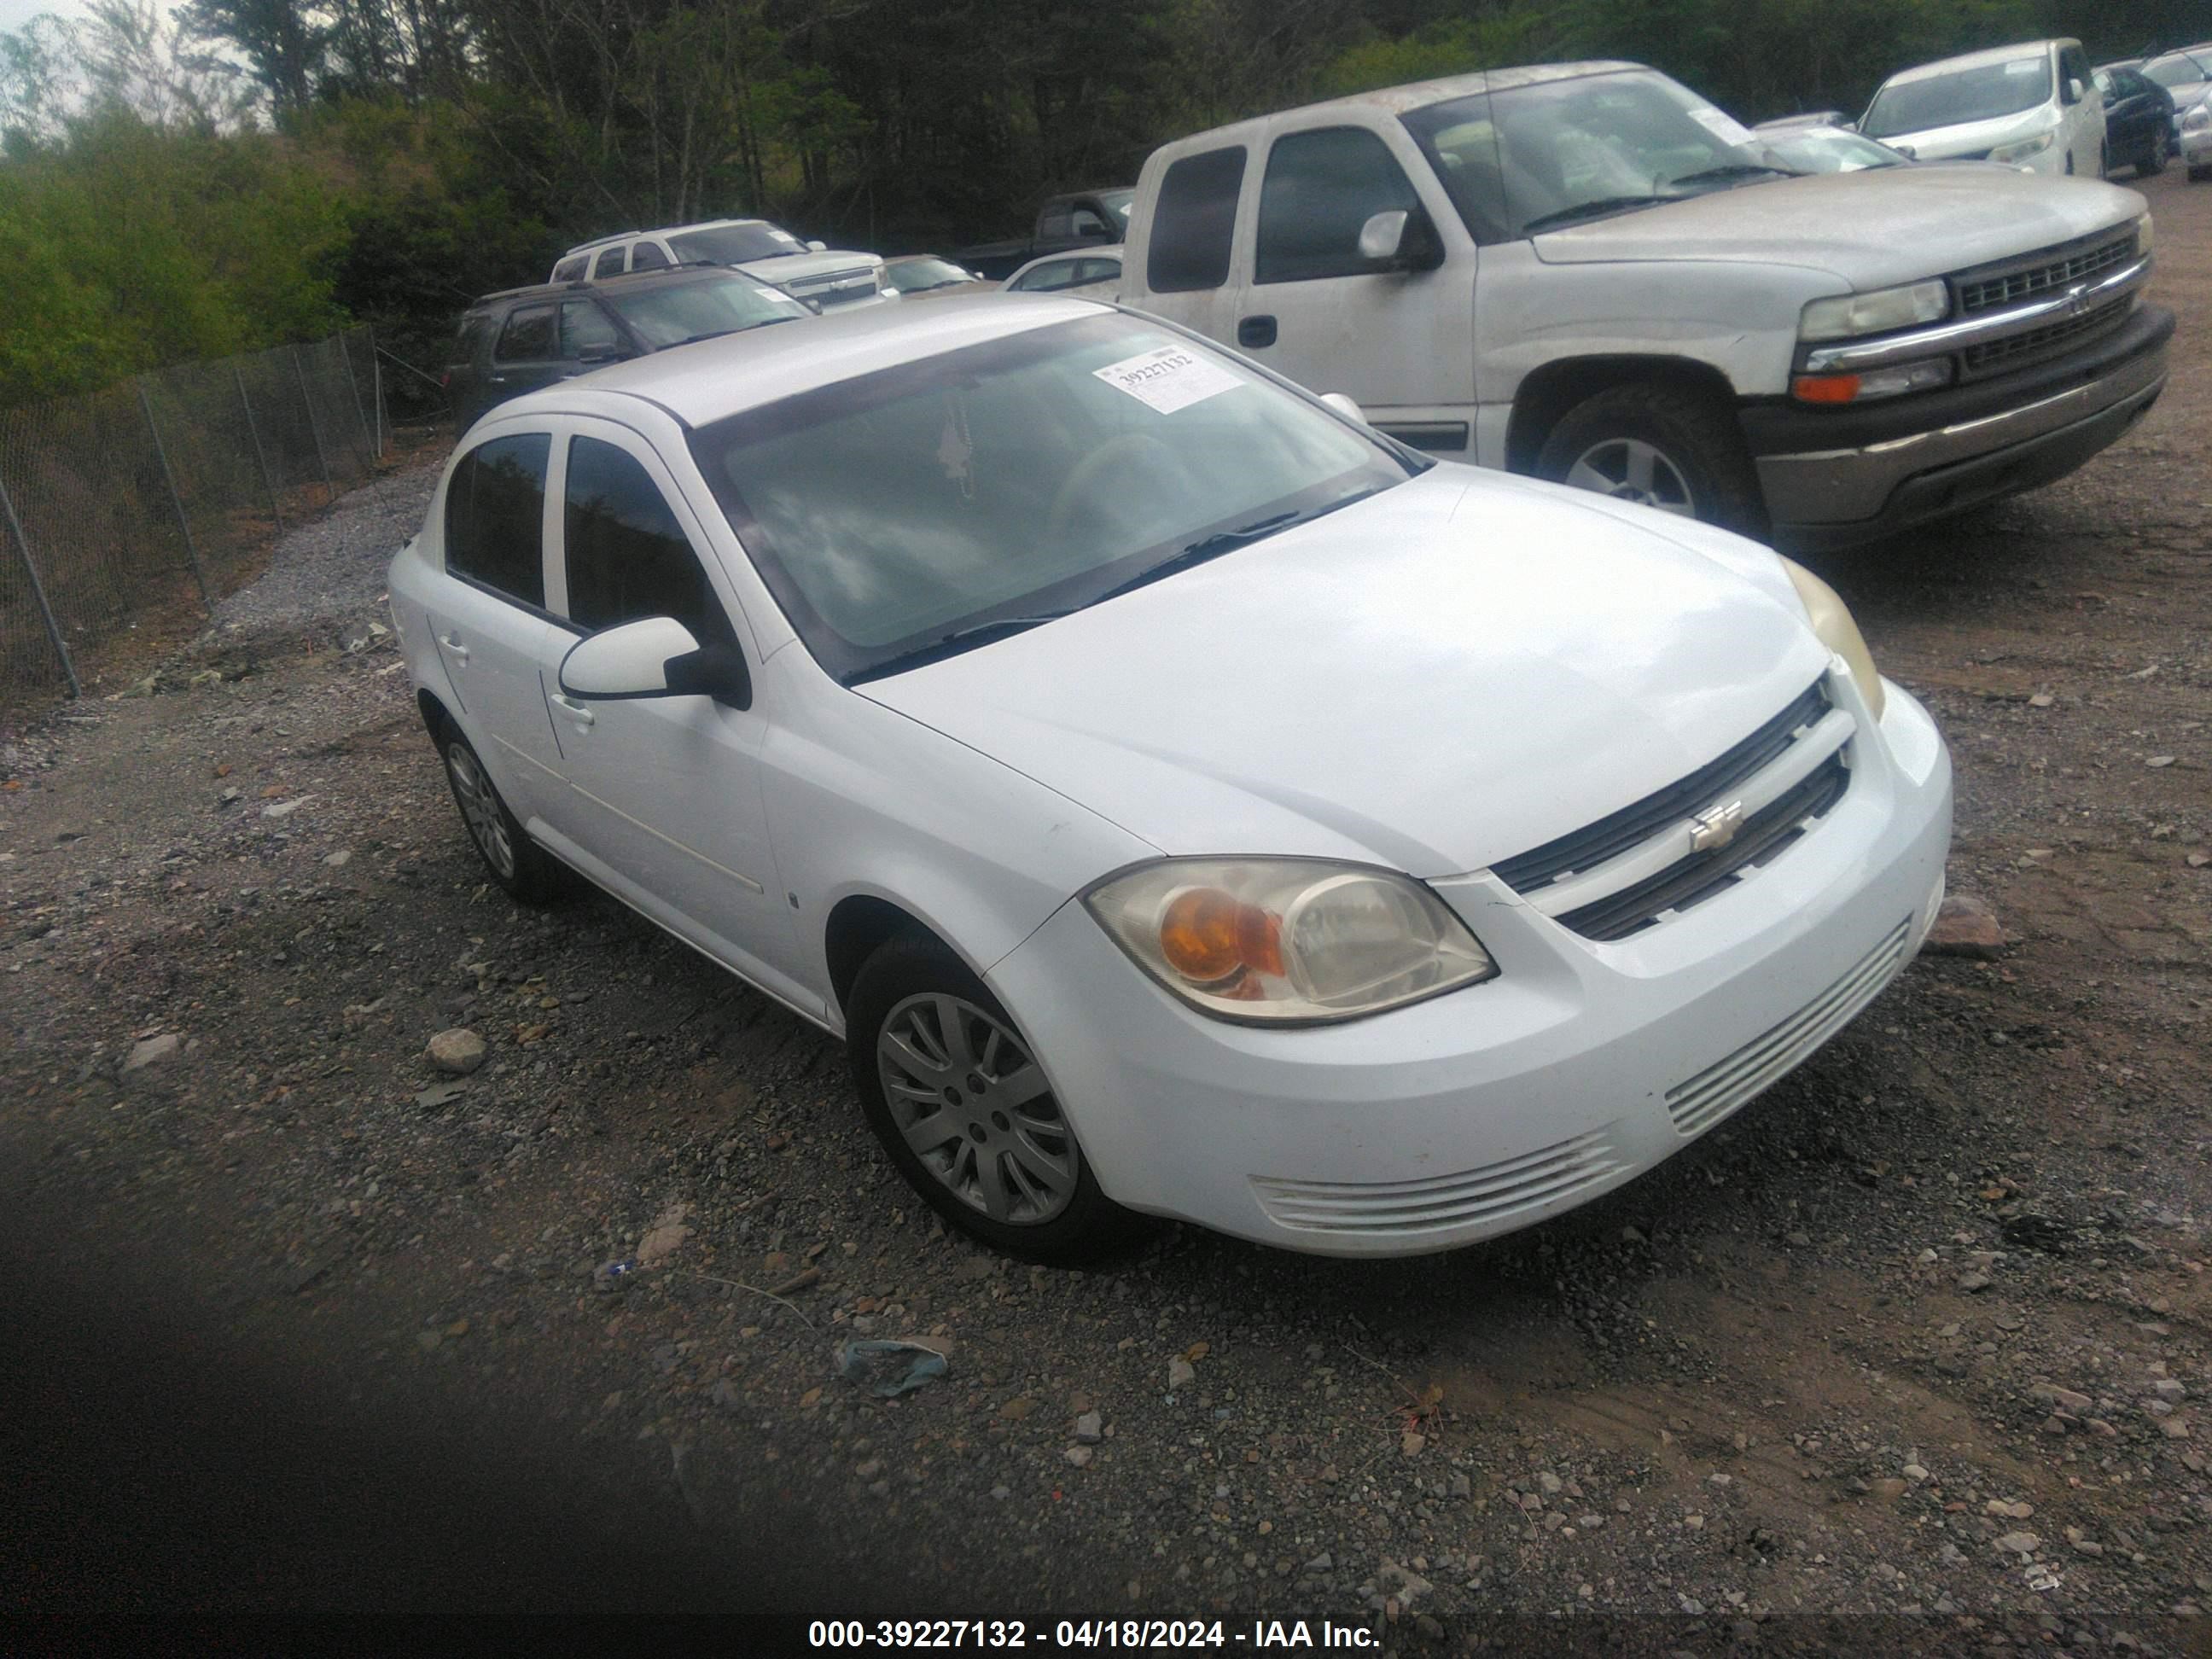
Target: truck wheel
[(1660, 447), (2153, 160)]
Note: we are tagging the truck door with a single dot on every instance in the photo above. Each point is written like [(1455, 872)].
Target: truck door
[(1186, 276), (1400, 342)]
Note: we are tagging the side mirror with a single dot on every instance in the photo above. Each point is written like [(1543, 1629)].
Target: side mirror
[(1344, 407), (1382, 236), (817, 247), (2074, 90), (656, 657)]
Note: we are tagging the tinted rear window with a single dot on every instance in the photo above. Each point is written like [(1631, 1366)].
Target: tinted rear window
[(495, 516), (1195, 222)]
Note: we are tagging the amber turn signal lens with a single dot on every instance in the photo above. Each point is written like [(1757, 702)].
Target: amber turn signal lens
[(1825, 388), (1198, 934)]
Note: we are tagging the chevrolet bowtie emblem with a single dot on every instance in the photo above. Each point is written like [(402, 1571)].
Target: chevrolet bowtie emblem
[(1715, 828)]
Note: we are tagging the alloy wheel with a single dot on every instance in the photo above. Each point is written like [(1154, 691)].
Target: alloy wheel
[(1630, 469), (480, 810), (974, 1107)]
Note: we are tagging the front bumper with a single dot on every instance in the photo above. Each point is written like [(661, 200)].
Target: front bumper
[(1831, 478), (1498, 1105)]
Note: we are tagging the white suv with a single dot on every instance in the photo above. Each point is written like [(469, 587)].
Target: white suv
[(820, 276), (2034, 106)]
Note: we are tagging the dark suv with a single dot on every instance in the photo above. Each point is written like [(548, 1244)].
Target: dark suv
[(522, 338)]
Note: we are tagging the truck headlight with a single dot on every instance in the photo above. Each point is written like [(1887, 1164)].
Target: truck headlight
[(1849, 315), (2197, 119), (1287, 941), (2005, 153), (1832, 625)]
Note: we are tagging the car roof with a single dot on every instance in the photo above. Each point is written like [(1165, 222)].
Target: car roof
[(664, 230), (2196, 55), (665, 276), (1982, 59), (706, 381), (1418, 94)]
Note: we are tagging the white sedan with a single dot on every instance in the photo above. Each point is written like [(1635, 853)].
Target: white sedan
[(1181, 798)]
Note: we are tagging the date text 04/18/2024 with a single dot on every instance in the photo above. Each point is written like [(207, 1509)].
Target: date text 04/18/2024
[(1069, 1635)]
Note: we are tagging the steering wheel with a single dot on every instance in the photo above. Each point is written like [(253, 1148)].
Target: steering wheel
[(1134, 447)]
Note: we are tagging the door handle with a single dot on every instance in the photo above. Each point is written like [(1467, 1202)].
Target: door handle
[(577, 714), (1255, 331), (452, 644)]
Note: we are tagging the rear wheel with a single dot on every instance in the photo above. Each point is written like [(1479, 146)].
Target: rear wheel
[(1660, 446), (517, 863), (954, 1093)]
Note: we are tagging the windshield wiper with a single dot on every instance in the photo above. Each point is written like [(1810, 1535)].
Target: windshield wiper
[(947, 645), (694, 339), (1591, 209), (1733, 170), (1204, 548)]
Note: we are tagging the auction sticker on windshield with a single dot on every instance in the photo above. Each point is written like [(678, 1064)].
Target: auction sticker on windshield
[(1726, 128), (1169, 379)]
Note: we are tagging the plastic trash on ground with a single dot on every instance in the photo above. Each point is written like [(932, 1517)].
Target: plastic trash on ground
[(888, 1369)]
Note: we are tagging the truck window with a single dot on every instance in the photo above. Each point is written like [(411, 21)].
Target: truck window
[(1194, 221), (609, 263), (528, 336), (647, 256), (571, 269), (1461, 142), (1320, 188), (1053, 224), (1088, 226)]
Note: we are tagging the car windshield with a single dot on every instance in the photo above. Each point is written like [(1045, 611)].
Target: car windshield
[(2179, 70), (672, 314), (1830, 149), (897, 514), (920, 276), (1540, 157), (1981, 93), (730, 244)]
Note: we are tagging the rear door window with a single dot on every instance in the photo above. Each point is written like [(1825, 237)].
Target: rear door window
[(625, 553), (495, 517), (528, 336), (1195, 222), (609, 263), (1320, 188), (570, 269), (588, 331)]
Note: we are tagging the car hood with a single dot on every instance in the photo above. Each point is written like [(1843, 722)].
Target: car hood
[(1434, 679), (1872, 229), (815, 276)]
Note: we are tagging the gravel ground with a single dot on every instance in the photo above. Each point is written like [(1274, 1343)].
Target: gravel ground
[(1910, 1355)]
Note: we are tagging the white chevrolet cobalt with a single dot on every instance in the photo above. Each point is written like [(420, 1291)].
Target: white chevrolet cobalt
[(1182, 798)]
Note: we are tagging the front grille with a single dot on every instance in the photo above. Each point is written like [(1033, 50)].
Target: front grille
[(2013, 350), (1494, 1192), (1702, 1100), (837, 287), (1592, 845), (2050, 270), (1765, 836)]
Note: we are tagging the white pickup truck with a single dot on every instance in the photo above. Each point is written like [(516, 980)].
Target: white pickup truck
[(1586, 272)]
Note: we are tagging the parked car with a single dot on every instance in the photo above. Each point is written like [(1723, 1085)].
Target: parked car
[(1083, 219), (2138, 119), (523, 338), (927, 273), (1827, 150), (2197, 140), (2030, 105), (1059, 273), (1587, 272), (2186, 75), (820, 277), (1038, 698)]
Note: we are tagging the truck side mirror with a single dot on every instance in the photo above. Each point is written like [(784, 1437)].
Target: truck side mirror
[(1382, 236), (2074, 92), (817, 247)]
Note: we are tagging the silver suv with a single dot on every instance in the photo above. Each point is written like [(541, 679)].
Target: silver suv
[(821, 277)]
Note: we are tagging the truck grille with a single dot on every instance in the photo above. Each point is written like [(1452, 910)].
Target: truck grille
[(835, 288), (2045, 271), (2015, 349)]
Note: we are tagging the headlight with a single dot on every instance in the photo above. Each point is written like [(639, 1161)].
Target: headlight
[(2143, 234), (1849, 315), (1280, 941), (2196, 120), (1832, 623), (2023, 150)]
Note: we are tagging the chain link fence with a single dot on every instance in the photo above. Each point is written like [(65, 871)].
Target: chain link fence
[(136, 507)]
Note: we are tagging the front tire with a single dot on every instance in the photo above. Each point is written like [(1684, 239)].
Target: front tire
[(525, 871), (955, 1095), (1660, 446)]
